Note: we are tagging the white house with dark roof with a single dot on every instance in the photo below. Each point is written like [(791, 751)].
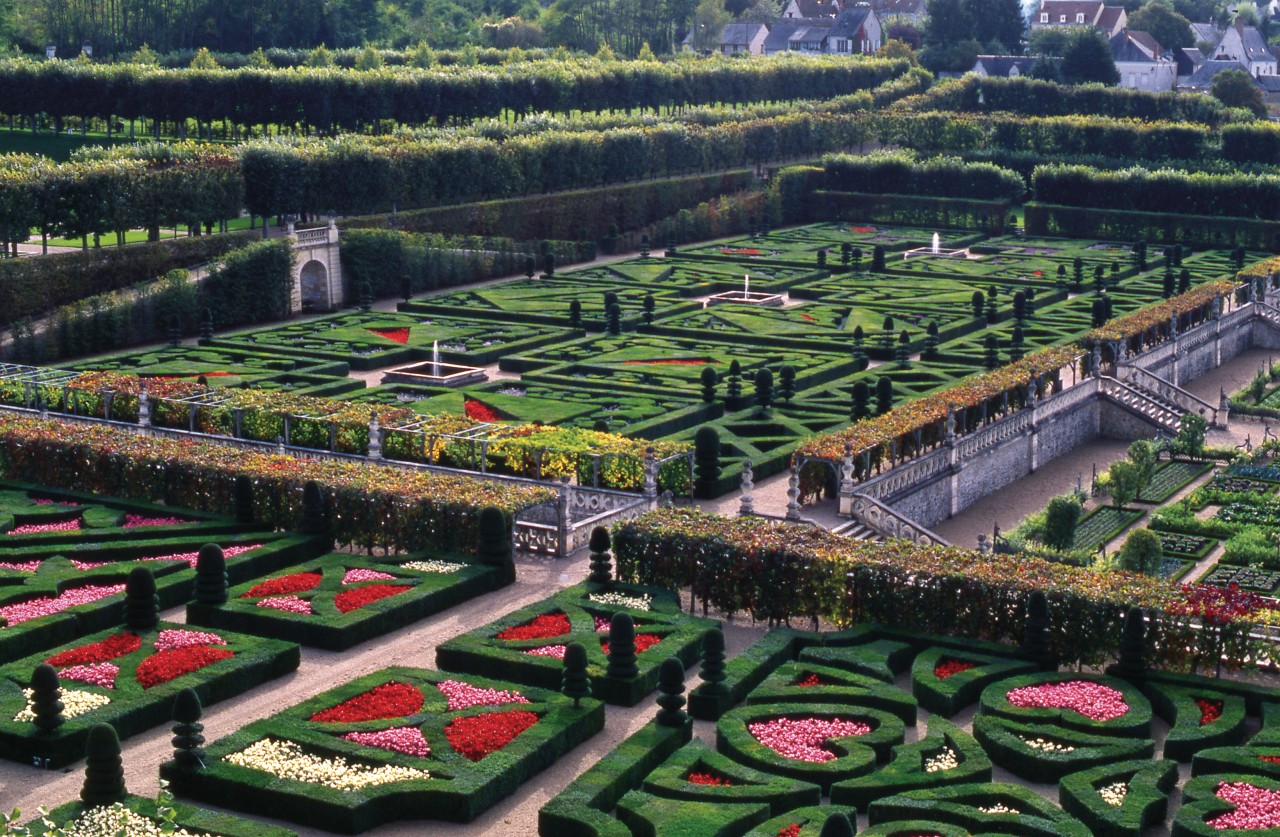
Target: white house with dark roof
[(1109, 20), (852, 32), (811, 9), (735, 38), (1141, 62), (1004, 66), (1246, 46)]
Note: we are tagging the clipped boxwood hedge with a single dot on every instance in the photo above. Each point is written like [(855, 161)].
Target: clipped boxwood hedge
[(1146, 800), (908, 768), (855, 756), (1136, 721), (1201, 805), (1256, 761), (744, 672), (194, 819), (481, 652), (1188, 730), (132, 708), (646, 815), (948, 695), (834, 686), (878, 658), (1009, 743), (809, 819), (1031, 815), (328, 627), (457, 790), (741, 783)]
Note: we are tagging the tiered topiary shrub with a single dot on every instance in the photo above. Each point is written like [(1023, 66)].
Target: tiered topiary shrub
[(341, 600), (528, 645), (130, 679), (416, 744)]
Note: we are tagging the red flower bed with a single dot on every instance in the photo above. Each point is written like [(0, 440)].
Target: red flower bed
[(284, 585), (739, 251), (643, 643), (477, 736), (1210, 710), (163, 666), (546, 626), (349, 600), (863, 229), (807, 317), (809, 680), (947, 667), (479, 412), (792, 830), (98, 652), (390, 700), (709, 779), (397, 335), (1270, 759)]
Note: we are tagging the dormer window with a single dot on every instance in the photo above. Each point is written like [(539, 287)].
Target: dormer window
[(1044, 17), (1062, 18), (1080, 17)]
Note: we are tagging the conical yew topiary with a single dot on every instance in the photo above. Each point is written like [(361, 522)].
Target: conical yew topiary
[(837, 825), (103, 769), (713, 662), (244, 499), (576, 683), (314, 518), (46, 698), (622, 647), (188, 742), (211, 575), (601, 560), (671, 693), (141, 604)]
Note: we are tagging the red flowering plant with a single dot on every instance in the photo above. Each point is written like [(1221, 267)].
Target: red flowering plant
[(476, 736), (390, 700), (1217, 624), (544, 626), (948, 667), (163, 666), (358, 597), (1210, 710), (708, 778)]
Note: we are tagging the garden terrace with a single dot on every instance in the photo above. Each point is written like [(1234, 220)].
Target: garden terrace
[(415, 742), (796, 719), (130, 678)]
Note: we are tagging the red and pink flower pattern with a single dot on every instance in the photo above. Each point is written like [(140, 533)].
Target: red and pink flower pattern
[(358, 574), (42, 528), (172, 639), (95, 674), (464, 696), (1256, 808), (407, 740), (188, 558), (16, 614), (476, 736), (289, 604), (163, 666), (1092, 700), (134, 520), (390, 700), (802, 739)]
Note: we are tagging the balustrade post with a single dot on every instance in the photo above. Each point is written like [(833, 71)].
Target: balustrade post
[(746, 505), (107, 397), (374, 451), (847, 485), (564, 525), (650, 476), (144, 406), (953, 460), (793, 494), (484, 458), (1223, 418)]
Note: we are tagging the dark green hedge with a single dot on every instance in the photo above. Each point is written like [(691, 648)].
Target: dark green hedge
[(1135, 722), (1200, 803), (1155, 227), (1187, 735), (948, 696), (958, 805), (904, 174), (837, 686), (1007, 742), (1145, 804), (809, 819), (937, 212), (746, 784), (1178, 192), (250, 285), (906, 768), (744, 672)]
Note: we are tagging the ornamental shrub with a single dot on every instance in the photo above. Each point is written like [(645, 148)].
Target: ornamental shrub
[(978, 300), (884, 395), (1132, 662), (649, 306), (1168, 285), (713, 664), (244, 502), (993, 312), (1020, 306), (877, 257), (708, 380), (671, 693), (530, 266), (622, 648), (613, 320), (104, 769), (733, 389), (706, 460), (1077, 274), (575, 313), (1141, 552), (576, 683), (141, 604), (903, 353), (1190, 439), (860, 401), (1125, 483), (315, 520), (601, 560), (1142, 454), (206, 326), (493, 527), (188, 740), (1061, 517), (211, 575), (991, 352), (787, 383), (46, 698), (1184, 281), (1035, 632), (837, 825), (764, 389)]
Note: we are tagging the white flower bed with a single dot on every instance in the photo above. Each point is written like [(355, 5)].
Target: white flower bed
[(118, 821), (74, 702), (286, 760), (946, 760), (434, 566), (1114, 794), (1046, 746), (620, 600)]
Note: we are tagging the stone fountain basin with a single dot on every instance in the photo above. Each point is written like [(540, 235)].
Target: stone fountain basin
[(747, 298), (425, 372)]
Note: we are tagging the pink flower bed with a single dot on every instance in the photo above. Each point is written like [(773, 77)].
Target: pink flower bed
[(556, 651), (45, 501), (132, 520), (602, 625), (96, 674), (40, 528), (357, 575), (289, 604), (1256, 808), (173, 639), (802, 739), (407, 740), (188, 558), (1092, 700), (15, 614), (20, 566), (464, 695)]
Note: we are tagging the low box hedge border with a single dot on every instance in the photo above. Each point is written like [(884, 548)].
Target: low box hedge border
[(837, 686), (1136, 721), (1006, 742), (645, 815), (190, 817), (480, 652), (878, 658), (947, 696), (132, 709), (907, 768), (958, 805), (1187, 735), (1200, 803), (332, 630), (746, 784), (174, 583), (914, 828), (459, 790), (1251, 760), (582, 809), (860, 753), (810, 820), (1145, 803), (744, 672)]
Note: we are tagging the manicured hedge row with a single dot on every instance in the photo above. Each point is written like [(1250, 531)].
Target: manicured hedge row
[(1251, 142), (133, 708), (958, 805), (904, 174), (1135, 721), (1192, 726), (1146, 799), (410, 510), (188, 817), (810, 820), (1137, 189), (948, 695), (581, 809), (786, 685), (458, 788), (914, 210), (1049, 219), (1201, 804), (670, 780), (31, 287), (907, 768), (327, 626), (1038, 752), (481, 652)]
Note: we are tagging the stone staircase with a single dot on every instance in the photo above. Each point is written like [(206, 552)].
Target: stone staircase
[(1160, 411), (859, 531)]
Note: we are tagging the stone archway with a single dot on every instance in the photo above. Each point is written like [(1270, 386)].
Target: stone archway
[(314, 280)]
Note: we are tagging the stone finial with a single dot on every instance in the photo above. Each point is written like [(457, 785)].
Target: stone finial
[(375, 437), (793, 494), (746, 506)]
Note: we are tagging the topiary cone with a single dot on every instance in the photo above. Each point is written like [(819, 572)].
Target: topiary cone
[(244, 499), (1132, 664), (576, 683), (712, 672), (141, 604), (314, 519), (211, 575), (188, 750), (671, 693), (46, 698), (622, 648), (1035, 633), (601, 560), (493, 531), (103, 770), (837, 825)]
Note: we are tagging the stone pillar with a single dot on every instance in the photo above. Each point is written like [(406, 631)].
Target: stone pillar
[(1224, 410), (847, 485), (953, 461), (375, 438), (793, 494), (563, 523), (650, 476), (144, 406), (746, 505), (1034, 403)]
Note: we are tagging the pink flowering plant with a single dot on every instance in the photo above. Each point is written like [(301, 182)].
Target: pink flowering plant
[(1229, 804), (1088, 703)]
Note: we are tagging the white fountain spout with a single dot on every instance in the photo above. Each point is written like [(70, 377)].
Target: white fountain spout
[(937, 242), (746, 286), (435, 358)]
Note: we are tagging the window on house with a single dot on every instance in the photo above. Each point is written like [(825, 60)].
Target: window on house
[(1079, 17), (1062, 18), (1044, 17)]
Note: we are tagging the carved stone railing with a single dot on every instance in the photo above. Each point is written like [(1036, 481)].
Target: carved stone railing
[(1160, 413), (994, 434), (877, 516), (909, 474), (311, 238), (1144, 381)]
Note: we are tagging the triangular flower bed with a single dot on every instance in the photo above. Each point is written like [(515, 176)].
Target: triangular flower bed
[(804, 682), (1040, 752), (987, 808), (878, 658), (744, 784)]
